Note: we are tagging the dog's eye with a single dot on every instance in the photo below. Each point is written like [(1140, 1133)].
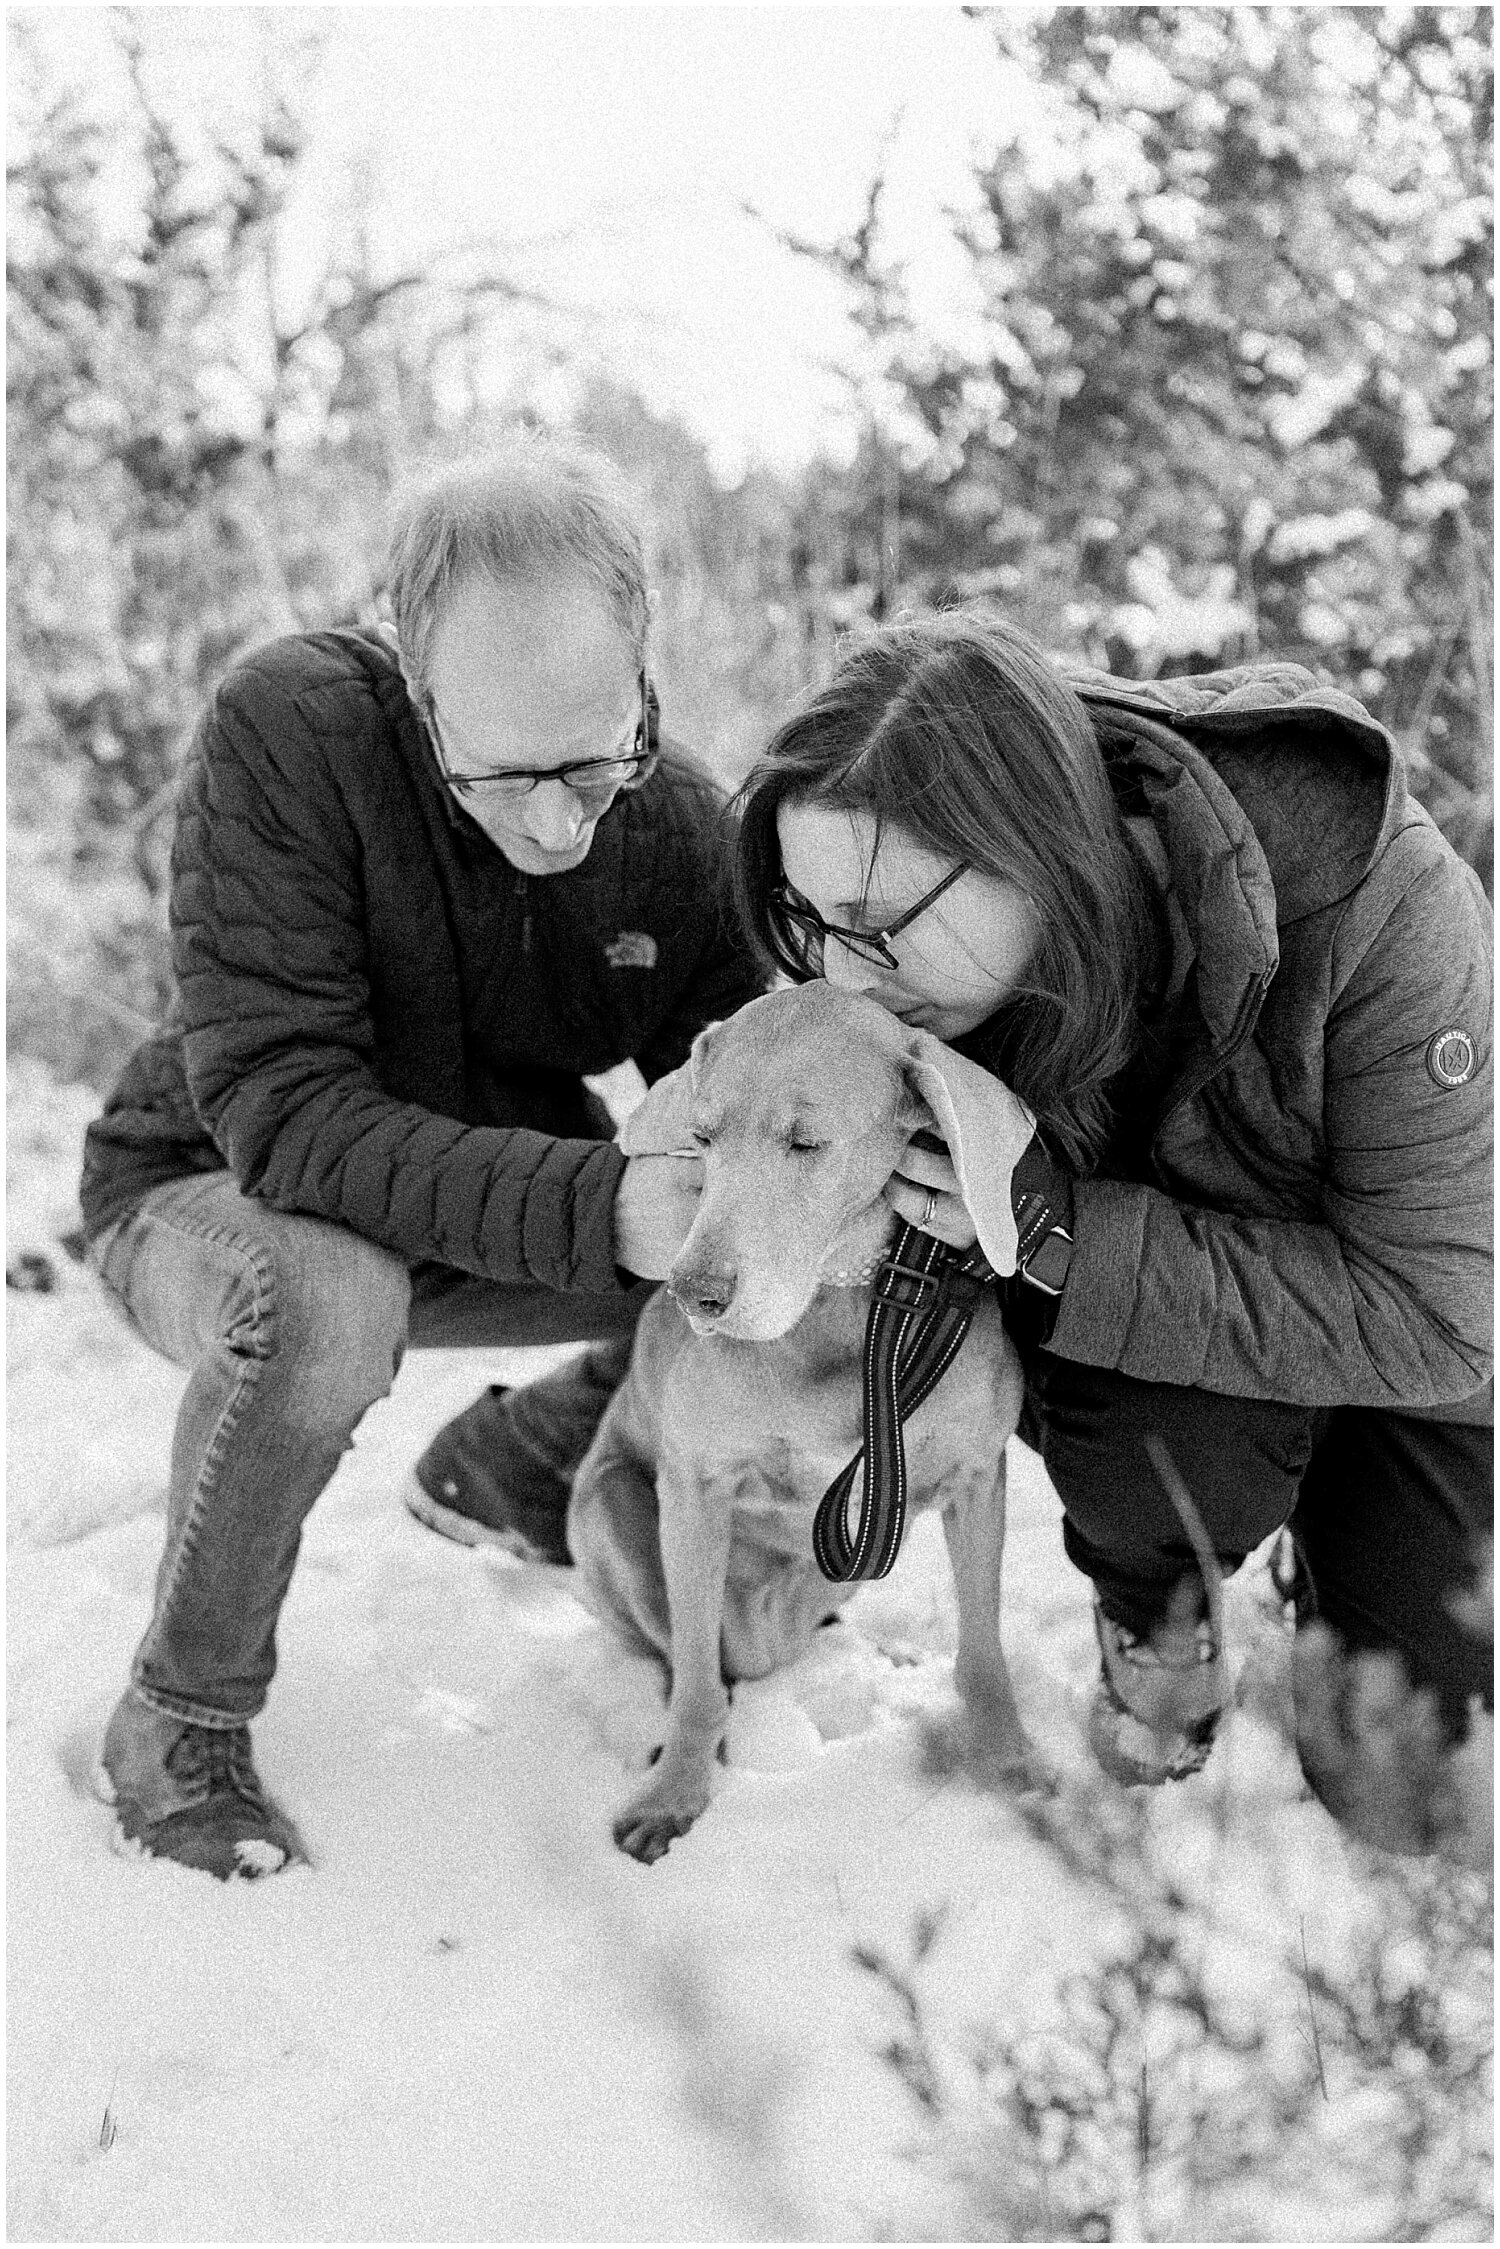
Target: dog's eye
[(807, 1147)]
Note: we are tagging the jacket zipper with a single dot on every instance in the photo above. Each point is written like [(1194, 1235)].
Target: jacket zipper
[(524, 894), (1199, 1075)]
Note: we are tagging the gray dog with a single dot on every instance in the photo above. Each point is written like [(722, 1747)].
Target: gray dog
[(692, 1513)]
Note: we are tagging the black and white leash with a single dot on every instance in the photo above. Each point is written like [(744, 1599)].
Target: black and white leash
[(921, 1309)]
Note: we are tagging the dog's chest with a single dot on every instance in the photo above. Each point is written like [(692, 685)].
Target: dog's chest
[(764, 1432), (772, 1447)]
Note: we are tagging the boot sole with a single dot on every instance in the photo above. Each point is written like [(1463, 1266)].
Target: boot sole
[(256, 1857), (464, 1531), (246, 1858)]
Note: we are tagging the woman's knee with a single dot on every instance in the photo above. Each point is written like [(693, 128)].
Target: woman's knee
[(1113, 1447), (1107, 1440)]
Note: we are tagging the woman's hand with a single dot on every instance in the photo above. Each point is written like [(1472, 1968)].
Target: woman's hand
[(925, 1191)]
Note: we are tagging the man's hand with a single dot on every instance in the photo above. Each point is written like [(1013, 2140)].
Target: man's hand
[(655, 1206)]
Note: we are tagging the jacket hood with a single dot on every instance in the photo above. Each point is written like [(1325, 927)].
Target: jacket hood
[(1272, 793), (1290, 747)]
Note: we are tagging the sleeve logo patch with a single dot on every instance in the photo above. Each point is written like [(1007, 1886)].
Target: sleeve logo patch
[(1450, 1058), (633, 948)]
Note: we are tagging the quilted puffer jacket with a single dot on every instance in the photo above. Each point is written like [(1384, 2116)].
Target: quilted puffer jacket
[(1300, 1208), (380, 1021)]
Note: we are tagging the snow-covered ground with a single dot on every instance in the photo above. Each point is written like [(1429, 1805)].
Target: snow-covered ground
[(475, 2019)]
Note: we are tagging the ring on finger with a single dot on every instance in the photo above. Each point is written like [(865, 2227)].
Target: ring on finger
[(928, 1208)]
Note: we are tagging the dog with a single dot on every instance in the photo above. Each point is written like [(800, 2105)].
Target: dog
[(691, 1514)]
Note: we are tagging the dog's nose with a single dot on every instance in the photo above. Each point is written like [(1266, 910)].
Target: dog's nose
[(706, 1291)]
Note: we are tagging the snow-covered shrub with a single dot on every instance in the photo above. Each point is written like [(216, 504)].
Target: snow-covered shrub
[(1274, 2030), (1206, 2072)]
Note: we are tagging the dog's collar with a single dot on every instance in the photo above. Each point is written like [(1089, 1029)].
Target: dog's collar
[(853, 1280), (864, 1274)]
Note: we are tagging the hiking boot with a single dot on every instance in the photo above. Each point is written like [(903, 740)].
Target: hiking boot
[(191, 1793), (1159, 1700), (454, 1489)]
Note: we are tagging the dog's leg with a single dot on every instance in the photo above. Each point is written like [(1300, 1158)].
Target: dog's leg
[(773, 1605), (615, 1542), (695, 1532), (996, 1747)]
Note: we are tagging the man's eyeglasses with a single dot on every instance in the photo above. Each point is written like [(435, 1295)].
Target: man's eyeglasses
[(586, 777), (807, 930)]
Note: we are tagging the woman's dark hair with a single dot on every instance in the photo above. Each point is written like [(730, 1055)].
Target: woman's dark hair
[(956, 729)]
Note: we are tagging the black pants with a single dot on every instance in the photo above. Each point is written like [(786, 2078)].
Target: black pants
[(1390, 1511)]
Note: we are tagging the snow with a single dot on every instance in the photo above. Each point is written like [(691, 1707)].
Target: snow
[(473, 2018)]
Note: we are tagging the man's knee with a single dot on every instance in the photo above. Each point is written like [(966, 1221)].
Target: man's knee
[(332, 1315)]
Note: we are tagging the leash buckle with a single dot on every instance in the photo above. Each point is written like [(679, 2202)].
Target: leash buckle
[(905, 1287)]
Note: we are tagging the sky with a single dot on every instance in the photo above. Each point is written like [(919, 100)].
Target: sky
[(613, 150)]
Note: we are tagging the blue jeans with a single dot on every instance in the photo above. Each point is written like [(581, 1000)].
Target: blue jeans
[(291, 1328)]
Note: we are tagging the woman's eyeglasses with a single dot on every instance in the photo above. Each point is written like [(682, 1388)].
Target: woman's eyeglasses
[(586, 777), (808, 931)]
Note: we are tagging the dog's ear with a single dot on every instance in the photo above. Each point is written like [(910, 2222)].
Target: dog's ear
[(987, 1129), (660, 1125)]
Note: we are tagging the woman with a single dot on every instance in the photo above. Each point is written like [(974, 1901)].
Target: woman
[(1243, 983)]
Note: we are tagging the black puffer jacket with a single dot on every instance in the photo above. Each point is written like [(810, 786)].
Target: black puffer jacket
[(380, 1021)]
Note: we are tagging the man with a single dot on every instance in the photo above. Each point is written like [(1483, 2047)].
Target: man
[(422, 884)]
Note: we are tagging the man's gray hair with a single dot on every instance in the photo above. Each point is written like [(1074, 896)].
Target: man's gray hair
[(532, 506)]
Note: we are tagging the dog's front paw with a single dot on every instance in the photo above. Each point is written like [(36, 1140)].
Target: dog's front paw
[(1017, 1767), (994, 1753), (648, 1827)]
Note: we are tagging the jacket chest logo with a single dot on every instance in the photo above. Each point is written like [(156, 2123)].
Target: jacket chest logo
[(1450, 1058), (633, 948)]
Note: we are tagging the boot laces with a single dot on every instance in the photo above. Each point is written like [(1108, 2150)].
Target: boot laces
[(1173, 1654), (1164, 1682), (216, 1760)]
